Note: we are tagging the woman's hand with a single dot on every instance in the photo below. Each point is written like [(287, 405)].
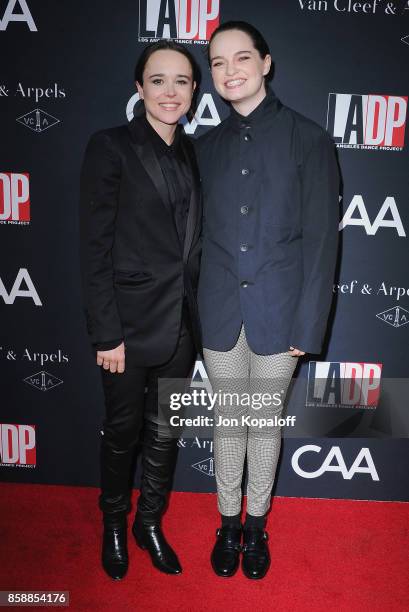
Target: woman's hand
[(113, 360), (296, 352)]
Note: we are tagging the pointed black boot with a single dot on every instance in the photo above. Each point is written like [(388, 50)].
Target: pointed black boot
[(159, 459), (114, 547), (150, 537), (256, 556), (114, 501), (226, 552)]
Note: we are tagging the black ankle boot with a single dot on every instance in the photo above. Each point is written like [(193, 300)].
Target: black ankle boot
[(226, 552), (256, 557), (114, 547), (151, 538)]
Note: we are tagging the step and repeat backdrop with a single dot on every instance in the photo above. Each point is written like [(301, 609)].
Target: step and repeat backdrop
[(66, 72)]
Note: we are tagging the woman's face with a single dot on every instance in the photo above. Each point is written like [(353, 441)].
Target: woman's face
[(167, 87), (237, 69)]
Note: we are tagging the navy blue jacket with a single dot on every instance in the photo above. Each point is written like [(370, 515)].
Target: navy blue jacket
[(270, 230)]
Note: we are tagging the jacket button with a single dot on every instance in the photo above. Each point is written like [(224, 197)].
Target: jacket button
[(247, 137), (244, 210), (245, 171), (244, 247), (244, 284)]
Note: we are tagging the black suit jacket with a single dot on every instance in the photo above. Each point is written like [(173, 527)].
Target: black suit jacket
[(135, 271)]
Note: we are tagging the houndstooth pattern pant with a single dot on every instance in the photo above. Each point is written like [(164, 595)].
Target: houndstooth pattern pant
[(240, 371)]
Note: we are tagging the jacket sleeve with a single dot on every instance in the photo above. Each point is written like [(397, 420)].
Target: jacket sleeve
[(99, 189), (320, 218)]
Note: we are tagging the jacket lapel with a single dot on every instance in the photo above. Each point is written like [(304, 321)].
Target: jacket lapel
[(146, 154), (194, 206)]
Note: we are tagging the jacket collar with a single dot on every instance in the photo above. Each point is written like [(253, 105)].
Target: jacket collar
[(268, 108)]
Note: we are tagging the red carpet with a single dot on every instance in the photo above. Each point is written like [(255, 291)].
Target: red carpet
[(346, 555)]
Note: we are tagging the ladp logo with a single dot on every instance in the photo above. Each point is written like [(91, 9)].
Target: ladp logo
[(343, 385), (367, 121), (179, 19), (17, 444), (14, 198)]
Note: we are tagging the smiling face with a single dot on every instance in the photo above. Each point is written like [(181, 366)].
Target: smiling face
[(238, 70), (167, 88)]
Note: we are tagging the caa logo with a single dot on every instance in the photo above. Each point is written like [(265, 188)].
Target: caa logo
[(18, 289), (14, 198), (367, 121), (335, 455), (388, 216), (17, 445), (185, 20), (344, 385), (205, 106), (21, 15)]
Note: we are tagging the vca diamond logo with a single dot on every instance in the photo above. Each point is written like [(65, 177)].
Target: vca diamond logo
[(38, 120), (43, 381), (205, 467), (396, 316)]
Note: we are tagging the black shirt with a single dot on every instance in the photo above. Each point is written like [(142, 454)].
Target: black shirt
[(176, 173)]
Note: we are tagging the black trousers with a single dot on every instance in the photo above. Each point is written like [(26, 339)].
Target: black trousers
[(132, 413)]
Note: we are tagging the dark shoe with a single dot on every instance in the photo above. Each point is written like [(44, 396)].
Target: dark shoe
[(226, 552), (150, 537), (256, 556), (114, 548)]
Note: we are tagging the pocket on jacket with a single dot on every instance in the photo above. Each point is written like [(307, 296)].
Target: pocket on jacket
[(131, 278), (281, 232)]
